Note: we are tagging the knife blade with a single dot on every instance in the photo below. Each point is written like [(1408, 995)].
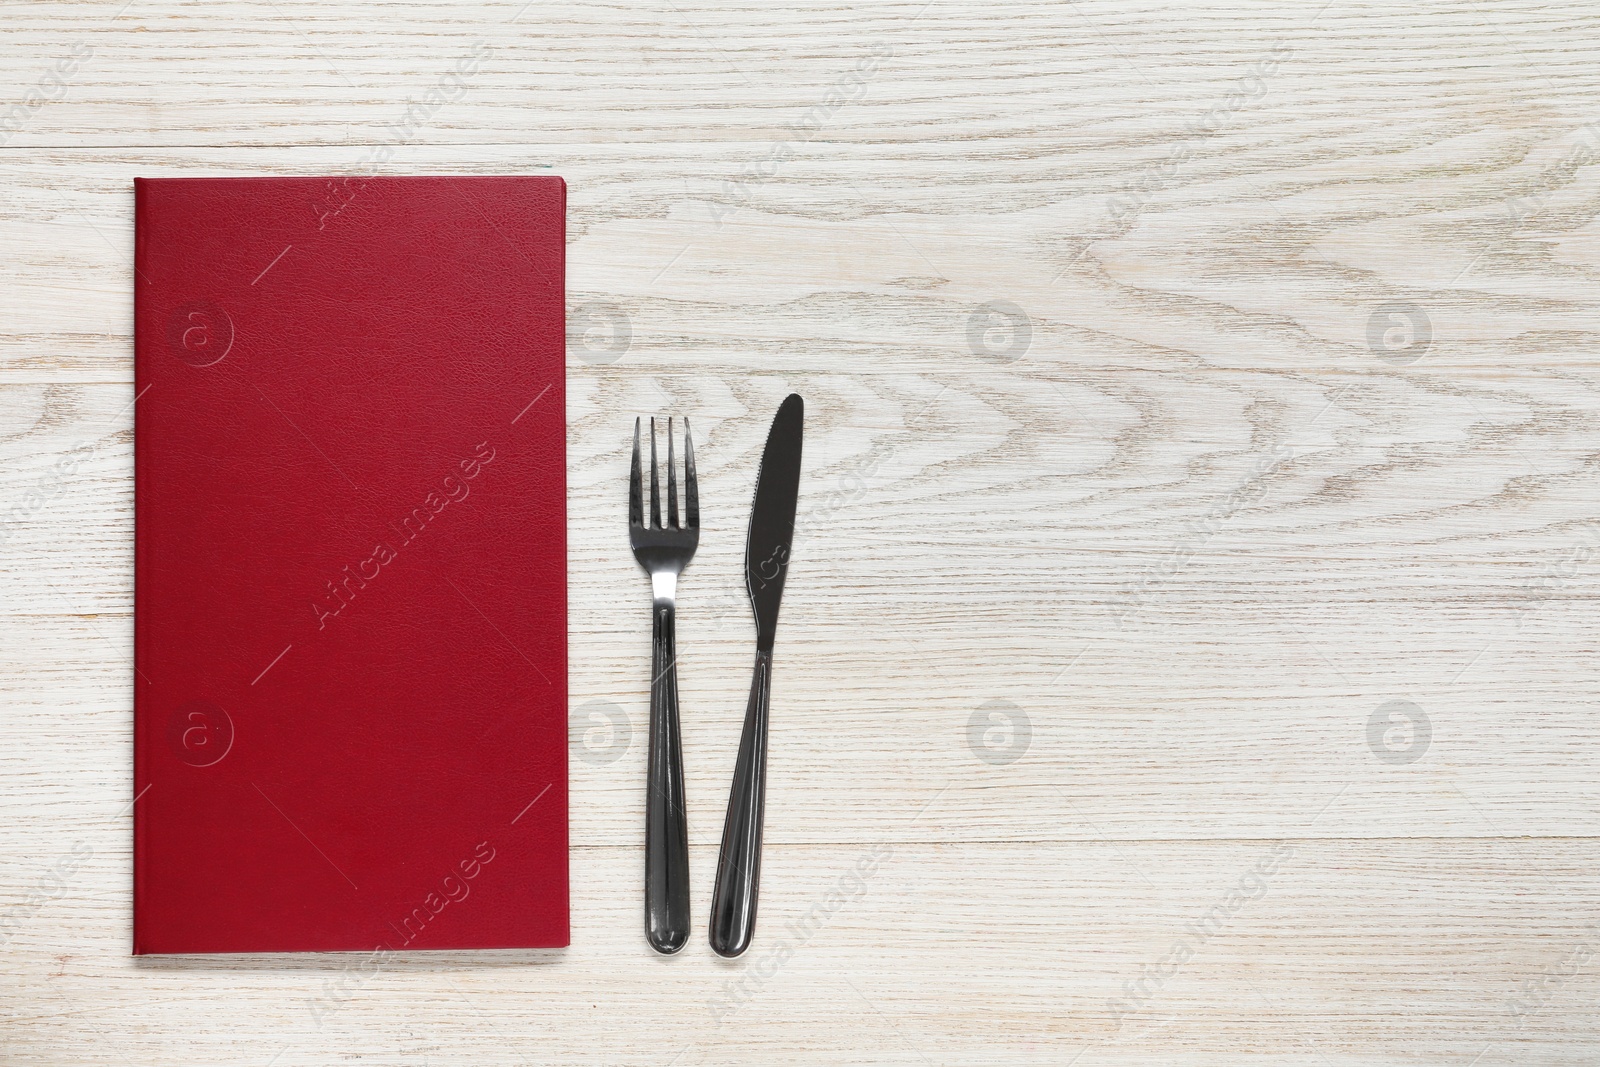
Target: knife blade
[(767, 550)]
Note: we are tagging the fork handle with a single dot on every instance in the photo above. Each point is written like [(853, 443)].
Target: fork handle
[(666, 845), (733, 902)]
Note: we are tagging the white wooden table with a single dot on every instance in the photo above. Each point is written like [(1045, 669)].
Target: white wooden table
[(1193, 640)]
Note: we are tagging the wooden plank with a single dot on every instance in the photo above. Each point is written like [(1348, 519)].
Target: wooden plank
[(1200, 466), (884, 953)]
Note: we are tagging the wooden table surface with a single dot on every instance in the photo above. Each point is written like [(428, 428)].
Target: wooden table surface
[(1189, 656)]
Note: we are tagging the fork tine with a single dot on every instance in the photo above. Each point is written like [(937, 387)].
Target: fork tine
[(635, 499), (655, 490), (672, 480), (691, 489)]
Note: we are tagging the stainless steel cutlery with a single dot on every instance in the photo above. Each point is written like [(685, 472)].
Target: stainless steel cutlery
[(664, 551), (766, 564)]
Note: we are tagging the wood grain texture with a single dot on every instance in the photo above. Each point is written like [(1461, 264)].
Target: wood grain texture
[(1189, 654)]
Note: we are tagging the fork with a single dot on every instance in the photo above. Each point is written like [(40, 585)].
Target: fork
[(663, 551)]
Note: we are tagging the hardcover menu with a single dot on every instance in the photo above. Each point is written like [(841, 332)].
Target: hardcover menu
[(350, 607)]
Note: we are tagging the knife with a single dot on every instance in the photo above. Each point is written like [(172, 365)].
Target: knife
[(766, 563)]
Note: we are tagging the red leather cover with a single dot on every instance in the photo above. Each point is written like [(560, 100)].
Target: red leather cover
[(350, 611)]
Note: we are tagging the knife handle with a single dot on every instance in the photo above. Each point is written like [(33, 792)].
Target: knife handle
[(666, 838), (733, 902)]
